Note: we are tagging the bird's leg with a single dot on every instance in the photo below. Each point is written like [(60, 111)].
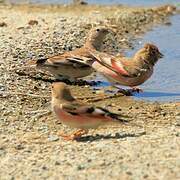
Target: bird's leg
[(128, 92), (123, 91), (75, 135), (136, 89)]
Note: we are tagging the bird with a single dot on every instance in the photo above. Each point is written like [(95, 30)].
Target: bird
[(127, 71), (71, 65), (75, 114)]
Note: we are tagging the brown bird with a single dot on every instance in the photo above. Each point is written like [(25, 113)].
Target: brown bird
[(127, 71), (77, 115), (71, 64)]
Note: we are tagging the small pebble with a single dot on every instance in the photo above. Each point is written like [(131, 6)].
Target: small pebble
[(19, 147), (80, 167), (3, 24), (33, 22), (57, 163)]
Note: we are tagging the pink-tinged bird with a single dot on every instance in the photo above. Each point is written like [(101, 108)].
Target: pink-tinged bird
[(77, 115), (127, 71), (71, 65)]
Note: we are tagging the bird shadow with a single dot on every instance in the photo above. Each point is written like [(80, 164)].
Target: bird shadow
[(98, 137), (40, 77), (130, 92)]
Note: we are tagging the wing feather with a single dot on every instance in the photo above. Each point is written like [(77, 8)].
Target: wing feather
[(110, 62), (79, 109), (64, 60)]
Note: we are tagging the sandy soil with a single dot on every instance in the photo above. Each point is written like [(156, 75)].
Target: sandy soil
[(148, 147)]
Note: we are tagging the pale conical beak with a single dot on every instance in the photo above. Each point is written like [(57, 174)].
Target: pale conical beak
[(160, 55)]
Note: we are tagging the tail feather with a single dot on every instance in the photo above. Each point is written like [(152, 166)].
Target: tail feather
[(41, 61), (118, 117), (37, 62)]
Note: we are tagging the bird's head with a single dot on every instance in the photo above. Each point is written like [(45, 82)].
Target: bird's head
[(150, 53), (60, 91), (96, 36)]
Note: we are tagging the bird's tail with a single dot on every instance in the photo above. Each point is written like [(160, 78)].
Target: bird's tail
[(114, 116), (119, 117), (125, 119), (37, 62), (41, 61)]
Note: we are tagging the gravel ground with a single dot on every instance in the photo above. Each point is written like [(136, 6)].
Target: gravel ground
[(148, 147)]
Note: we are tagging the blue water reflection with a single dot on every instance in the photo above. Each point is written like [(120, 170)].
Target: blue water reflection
[(158, 96)]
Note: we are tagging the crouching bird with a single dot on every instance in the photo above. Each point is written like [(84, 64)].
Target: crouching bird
[(77, 115), (126, 71), (72, 64)]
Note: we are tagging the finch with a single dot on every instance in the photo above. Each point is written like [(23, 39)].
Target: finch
[(71, 65), (125, 71), (77, 115)]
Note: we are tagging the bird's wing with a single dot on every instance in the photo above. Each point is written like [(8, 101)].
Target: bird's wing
[(65, 60), (78, 109), (109, 62), (134, 70), (121, 65)]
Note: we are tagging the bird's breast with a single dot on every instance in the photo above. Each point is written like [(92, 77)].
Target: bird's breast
[(129, 81)]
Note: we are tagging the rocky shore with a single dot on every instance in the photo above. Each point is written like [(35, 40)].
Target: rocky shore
[(30, 147)]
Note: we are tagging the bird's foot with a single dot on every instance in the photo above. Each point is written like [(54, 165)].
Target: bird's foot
[(125, 92), (129, 92), (66, 137), (79, 133), (75, 135), (136, 89)]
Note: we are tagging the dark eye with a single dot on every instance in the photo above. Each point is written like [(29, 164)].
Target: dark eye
[(154, 51), (97, 30)]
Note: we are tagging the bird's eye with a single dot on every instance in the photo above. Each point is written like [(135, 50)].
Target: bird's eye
[(97, 30), (154, 51)]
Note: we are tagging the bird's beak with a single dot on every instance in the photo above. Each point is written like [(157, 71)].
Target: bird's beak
[(160, 55)]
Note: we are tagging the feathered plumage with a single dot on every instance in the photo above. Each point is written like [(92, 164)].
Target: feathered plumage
[(75, 114)]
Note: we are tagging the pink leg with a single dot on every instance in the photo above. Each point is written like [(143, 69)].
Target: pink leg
[(75, 135)]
